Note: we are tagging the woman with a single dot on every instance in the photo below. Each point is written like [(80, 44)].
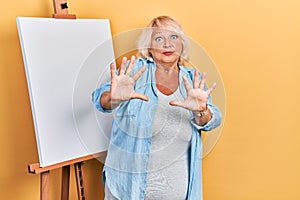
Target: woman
[(160, 108)]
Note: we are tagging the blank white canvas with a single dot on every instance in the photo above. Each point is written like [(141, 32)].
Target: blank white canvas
[(65, 61)]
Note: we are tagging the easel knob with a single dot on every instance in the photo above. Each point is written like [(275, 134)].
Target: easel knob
[(61, 10)]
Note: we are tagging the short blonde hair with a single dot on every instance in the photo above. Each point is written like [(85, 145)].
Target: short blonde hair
[(144, 41)]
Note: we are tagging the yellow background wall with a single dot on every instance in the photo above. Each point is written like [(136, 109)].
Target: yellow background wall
[(256, 46)]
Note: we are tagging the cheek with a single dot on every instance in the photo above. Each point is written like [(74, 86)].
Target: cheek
[(154, 52), (155, 49), (179, 48), (156, 46)]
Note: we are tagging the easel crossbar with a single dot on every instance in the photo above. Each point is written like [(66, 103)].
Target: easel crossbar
[(36, 169)]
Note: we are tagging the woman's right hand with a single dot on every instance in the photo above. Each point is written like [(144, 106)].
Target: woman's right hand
[(122, 85)]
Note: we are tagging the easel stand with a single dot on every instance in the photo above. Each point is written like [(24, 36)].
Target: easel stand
[(61, 12), (45, 176)]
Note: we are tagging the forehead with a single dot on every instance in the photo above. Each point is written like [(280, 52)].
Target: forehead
[(163, 31)]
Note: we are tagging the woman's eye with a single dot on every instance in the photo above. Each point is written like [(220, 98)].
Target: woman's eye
[(174, 37), (158, 39)]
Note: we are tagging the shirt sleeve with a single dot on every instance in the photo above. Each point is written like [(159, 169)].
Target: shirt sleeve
[(214, 122), (96, 95)]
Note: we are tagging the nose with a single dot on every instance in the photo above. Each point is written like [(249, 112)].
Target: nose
[(167, 43)]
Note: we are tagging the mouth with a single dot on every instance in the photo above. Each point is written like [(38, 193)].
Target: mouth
[(168, 53)]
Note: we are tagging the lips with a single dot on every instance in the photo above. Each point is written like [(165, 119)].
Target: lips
[(168, 53)]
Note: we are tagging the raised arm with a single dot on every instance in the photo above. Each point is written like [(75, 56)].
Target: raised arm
[(122, 85), (197, 99)]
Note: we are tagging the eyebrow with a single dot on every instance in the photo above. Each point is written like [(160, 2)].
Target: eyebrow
[(156, 33), (161, 33)]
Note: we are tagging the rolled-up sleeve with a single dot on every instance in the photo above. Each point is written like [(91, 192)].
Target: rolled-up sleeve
[(96, 95), (214, 122)]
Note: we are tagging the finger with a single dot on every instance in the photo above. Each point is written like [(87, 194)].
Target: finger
[(196, 79), (130, 66), (123, 64), (139, 96), (137, 75), (186, 83), (175, 103), (112, 71), (211, 88), (202, 82)]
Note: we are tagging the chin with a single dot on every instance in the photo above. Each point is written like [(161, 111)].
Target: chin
[(171, 59)]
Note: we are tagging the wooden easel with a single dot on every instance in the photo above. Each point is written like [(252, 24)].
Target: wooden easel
[(61, 12), (45, 176)]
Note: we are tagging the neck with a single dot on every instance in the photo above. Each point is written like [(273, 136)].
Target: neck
[(169, 69), (167, 80)]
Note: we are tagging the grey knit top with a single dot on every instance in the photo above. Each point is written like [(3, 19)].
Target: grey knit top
[(168, 167)]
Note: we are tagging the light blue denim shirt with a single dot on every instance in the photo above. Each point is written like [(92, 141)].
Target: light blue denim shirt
[(125, 169)]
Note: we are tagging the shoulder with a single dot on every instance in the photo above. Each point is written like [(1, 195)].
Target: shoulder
[(141, 62), (188, 71), (144, 61)]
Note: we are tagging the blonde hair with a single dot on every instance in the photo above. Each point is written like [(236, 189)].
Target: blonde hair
[(168, 23)]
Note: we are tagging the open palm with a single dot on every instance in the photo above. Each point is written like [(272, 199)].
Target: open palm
[(122, 85), (197, 97)]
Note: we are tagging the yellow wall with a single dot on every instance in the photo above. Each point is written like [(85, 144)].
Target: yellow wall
[(256, 46)]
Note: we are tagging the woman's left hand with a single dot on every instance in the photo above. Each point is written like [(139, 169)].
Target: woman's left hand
[(197, 98)]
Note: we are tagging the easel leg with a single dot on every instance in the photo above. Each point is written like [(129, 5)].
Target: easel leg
[(44, 187), (79, 181), (65, 182)]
